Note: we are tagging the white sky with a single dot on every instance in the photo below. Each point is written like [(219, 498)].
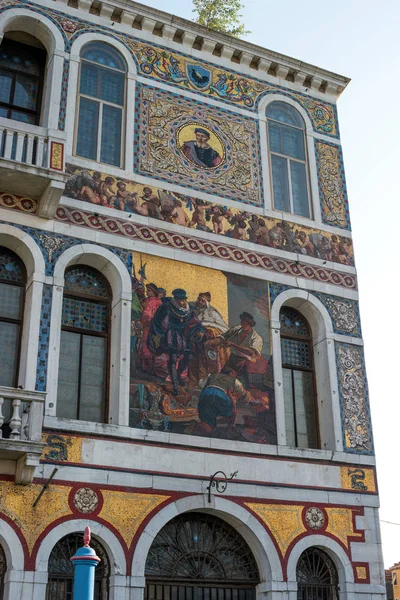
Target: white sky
[(359, 39)]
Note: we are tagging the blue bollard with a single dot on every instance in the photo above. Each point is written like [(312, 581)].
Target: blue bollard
[(85, 562)]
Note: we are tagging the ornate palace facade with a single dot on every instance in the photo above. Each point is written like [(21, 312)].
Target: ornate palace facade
[(181, 352)]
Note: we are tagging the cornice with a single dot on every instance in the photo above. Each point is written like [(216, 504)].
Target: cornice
[(199, 39)]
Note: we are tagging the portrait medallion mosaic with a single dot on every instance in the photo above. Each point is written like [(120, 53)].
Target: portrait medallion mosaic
[(195, 145)]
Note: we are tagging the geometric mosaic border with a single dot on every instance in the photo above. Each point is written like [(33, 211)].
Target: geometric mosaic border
[(129, 229)]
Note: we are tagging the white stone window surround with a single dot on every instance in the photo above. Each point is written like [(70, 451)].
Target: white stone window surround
[(71, 122), (39, 26), (14, 554), (329, 419), (119, 279), (109, 541), (29, 252), (311, 162)]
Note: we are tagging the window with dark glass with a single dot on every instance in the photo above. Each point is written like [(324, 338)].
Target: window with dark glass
[(12, 290), (21, 81), (101, 104), (288, 159), (197, 556), (61, 570), (317, 577), (298, 380), (82, 375)]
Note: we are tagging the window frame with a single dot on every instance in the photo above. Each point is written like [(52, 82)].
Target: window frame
[(287, 158), (20, 321), (311, 370), (40, 79), (100, 111), (82, 332)]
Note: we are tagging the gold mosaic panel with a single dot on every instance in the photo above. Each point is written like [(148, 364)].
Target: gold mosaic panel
[(283, 521), (361, 572), (16, 502), (126, 512), (358, 479), (332, 185), (340, 524), (61, 447)]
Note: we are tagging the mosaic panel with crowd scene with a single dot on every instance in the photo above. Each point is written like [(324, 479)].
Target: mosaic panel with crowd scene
[(201, 352)]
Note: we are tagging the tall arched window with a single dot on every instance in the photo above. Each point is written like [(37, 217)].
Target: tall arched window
[(298, 380), (12, 290), (101, 104), (21, 81), (288, 159), (316, 576), (83, 365), (61, 569), (197, 556)]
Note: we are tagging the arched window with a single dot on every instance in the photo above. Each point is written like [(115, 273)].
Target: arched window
[(12, 289), (61, 569), (200, 557), (288, 159), (317, 577), (3, 569), (298, 380), (101, 104), (21, 81), (83, 368)]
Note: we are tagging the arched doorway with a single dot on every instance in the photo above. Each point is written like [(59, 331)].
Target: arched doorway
[(317, 577), (197, 556), (61, 569)]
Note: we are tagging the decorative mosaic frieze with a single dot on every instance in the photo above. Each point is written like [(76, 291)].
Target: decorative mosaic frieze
[(44, 336), (22, 203), (131, 197), (182, 71), (344, 313), (226, 164), (64, 94), (211, 249), (53, 245), (354, 404), (332, 185)]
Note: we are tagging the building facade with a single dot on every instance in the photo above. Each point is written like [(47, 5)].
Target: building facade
[(182, 359)]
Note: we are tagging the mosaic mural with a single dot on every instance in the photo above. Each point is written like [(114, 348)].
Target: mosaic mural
[(171, 207), (354, 399), (198, 146), (332, 185), (182, 71), (201, 352)]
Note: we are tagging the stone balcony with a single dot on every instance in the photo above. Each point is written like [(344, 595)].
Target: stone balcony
[(32, 162), (21, 419)]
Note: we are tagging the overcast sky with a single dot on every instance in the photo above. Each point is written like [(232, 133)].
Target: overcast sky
[(359, 39)]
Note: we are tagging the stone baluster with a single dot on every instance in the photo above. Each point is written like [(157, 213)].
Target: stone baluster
[(16, 421), (1, 416)]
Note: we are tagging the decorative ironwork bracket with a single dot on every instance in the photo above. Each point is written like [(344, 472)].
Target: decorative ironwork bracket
[(220, 484)]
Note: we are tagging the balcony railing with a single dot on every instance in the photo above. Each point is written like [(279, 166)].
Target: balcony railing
[(30, 145), (21, 414)]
